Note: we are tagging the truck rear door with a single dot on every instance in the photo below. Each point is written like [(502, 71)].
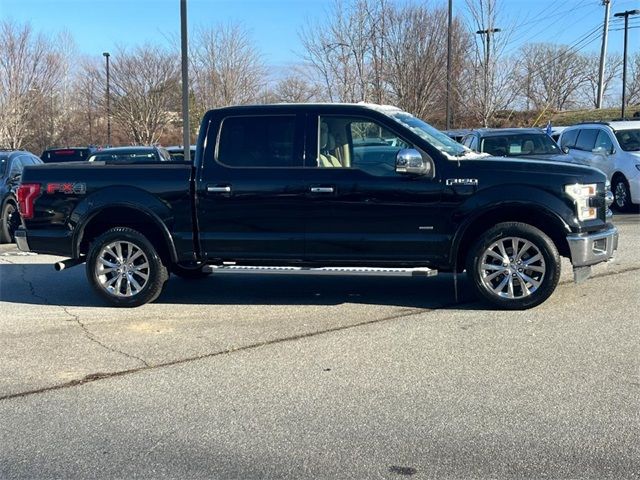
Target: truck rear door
[(251, 188)]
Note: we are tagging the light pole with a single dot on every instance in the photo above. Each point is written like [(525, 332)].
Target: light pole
[(449, 33), (626, 14), (106, 56), (603, 52), (488, 32), (184, 51)]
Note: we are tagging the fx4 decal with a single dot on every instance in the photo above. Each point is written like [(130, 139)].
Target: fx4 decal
[(67, 188)]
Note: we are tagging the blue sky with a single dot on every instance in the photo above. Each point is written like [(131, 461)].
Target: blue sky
[(102, 25)]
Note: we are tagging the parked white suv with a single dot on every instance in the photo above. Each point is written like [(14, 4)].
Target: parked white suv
[(614, 148)]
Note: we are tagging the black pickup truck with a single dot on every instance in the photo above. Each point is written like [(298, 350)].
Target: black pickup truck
[(320, 189)]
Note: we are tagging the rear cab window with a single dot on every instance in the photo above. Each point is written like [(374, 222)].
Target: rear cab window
[(260, 141), (65, 155)]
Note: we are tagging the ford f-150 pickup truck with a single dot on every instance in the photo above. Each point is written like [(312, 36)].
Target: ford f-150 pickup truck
[(320, 189)]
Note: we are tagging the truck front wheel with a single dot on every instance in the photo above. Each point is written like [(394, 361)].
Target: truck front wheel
[(514, 266), (125, 269)]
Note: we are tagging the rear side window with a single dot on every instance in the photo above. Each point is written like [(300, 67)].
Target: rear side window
[(65, 155), (587, 139), (260, 141), (569, 138)]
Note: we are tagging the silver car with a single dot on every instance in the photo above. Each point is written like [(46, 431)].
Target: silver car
[(614, 148)]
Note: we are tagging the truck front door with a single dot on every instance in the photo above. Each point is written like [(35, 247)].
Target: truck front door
[(360, 210)]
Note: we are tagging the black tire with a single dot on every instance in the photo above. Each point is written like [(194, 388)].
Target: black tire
[(529, 275), (621, 195), (133, 269), (10, 223), (189, 273)]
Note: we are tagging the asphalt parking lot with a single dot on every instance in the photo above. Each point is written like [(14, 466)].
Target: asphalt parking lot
[(282, 377)]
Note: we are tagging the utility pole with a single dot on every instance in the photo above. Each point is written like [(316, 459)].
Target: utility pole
[(106, 56), (488, 32), (449, 53), (603, 52), (186, 134), (626, 14)]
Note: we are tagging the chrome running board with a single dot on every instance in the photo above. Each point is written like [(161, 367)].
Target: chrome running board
[(362, 271)]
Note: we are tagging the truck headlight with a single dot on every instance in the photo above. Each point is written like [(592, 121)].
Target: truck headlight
[(581, 194)]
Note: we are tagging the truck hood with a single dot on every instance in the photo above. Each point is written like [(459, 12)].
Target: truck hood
[(555, 157), (532, 168)]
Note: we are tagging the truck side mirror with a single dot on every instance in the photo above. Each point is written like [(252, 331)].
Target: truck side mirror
[(410, 161)]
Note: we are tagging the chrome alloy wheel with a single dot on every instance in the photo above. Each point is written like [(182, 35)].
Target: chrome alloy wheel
[(620, 195), (512, 267), (122, 269)]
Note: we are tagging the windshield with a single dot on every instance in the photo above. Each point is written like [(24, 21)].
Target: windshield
[(629, 139), (519, 144), (432, 135)]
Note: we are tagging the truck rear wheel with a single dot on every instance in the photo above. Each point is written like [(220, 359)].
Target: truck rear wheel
[(514, 266), (125, 269)]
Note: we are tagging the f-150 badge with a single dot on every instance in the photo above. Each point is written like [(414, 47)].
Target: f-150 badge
[(462, 181)]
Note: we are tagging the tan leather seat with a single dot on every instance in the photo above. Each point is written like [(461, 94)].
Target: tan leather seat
[(327, 144)]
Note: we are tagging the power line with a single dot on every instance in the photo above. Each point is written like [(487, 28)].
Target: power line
[(523, 38)]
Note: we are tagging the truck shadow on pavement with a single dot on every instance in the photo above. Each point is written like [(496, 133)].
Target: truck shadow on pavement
[(39, 284)]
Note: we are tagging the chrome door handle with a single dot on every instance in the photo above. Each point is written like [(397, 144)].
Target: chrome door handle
[(219, 189), (321, 189)]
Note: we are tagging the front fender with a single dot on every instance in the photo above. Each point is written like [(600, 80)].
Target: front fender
[(504, 203)]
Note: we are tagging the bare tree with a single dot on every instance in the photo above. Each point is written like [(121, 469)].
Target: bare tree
[(374, 50), (592, 65), (227, 69), (415, 61), (145, 89), (294, 88), (89, 101), (31, 71), (490, 86), (632, 92), (557, 74), (340, 47)]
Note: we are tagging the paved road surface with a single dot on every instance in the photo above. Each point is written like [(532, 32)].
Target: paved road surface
[(263, 377)]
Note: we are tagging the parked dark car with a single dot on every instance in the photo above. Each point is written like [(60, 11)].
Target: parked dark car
[(137, 154), (516, 142), (177, 152), (304, 189), (11, 164), (457, 134), (67, 154)]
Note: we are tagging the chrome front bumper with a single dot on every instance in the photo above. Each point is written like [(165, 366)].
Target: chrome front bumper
[(591, 248)]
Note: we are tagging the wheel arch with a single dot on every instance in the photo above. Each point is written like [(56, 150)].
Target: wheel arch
[(535, 215), (143, 220)]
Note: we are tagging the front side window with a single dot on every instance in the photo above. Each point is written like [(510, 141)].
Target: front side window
[(569, 139), (587, 139), (347, 142), (603, 142), (258, 141)]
